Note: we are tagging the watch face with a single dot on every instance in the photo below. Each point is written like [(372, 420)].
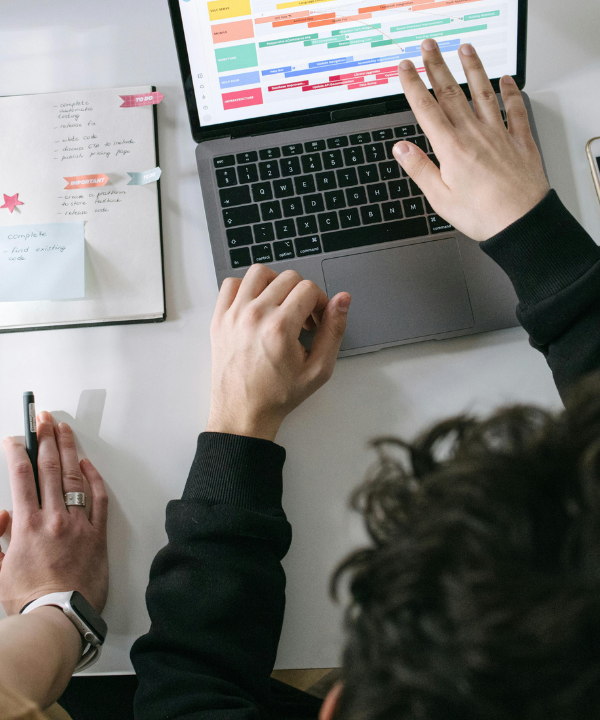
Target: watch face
[(87, 613)]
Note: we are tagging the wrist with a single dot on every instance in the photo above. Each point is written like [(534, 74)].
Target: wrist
[(60, 623), (264, 427)]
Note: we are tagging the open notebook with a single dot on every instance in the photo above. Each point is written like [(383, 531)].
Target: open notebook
[(80, 227)]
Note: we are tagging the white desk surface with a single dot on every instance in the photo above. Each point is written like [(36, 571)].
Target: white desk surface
[(138, 395)]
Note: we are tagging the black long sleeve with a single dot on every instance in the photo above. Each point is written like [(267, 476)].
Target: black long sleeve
[(217, 593), (554, 266)]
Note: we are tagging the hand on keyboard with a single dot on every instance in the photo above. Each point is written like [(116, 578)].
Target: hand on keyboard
[(260, 371), (489, 175)]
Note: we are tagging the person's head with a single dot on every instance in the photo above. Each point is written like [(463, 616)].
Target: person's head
[(479, 598)]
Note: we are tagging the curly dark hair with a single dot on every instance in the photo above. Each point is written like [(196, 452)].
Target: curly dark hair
[(480, 595)]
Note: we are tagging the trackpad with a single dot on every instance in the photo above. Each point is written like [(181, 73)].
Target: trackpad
[(401, 293)]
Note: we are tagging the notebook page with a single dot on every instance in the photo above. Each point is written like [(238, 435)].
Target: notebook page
[(54, 141)]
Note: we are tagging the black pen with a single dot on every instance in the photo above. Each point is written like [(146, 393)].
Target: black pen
[(31, 442)]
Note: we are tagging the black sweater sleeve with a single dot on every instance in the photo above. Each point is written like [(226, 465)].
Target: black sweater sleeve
[(554, 266), (217, 592)]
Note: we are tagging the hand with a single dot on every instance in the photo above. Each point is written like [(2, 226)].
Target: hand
[(260, 371), (53, 548), (489, 176)]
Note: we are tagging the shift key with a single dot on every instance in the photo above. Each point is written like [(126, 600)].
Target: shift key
[(243, 215)]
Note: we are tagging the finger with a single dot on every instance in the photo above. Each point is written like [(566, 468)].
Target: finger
[(326, 345), (485, 100), (49, 469), (255, 281), (277, 291), (304, 300), (4, 520), (20, 474), (422, 170), (448, 92), (72, 479), (99, 512), (429, 114), (227, 294), (516, 112)]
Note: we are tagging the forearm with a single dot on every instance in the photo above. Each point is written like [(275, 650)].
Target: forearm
[(39, 653)]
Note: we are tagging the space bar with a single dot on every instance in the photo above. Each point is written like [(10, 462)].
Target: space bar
[(374, 234)]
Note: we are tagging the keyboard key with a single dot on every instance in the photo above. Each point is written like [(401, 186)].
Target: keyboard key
[(235, 196), (269, 153), (283, 188), (285, 229), (307, 225), (333, 159), (373, 153), (349, 218), (247, 157), (270, 210), (377, 192), (434, 159), (368, 174), (356, 196), (260, 191), (398, 189), (360, 138), (389, 146), (284, 250), (335, 200), (354, 156), (314, 145), (383, 134), (391, 210), (337, 142), (247, 173), (263, 232), (347, 177), (223, 161), (243, 215), (304, 184), (419, 130), (414, 188), (413, 207), (326, 181), (404, 131), (313, 203), (290, 166), (428, 209), (268, 170), (373, 234), (438, 224), (295, 149), (262, 253), (226, 177), (292, 206), (328, 221), (420, 142), (240, 257), (389, 170), (239, 236), (311, 163), (370, 214), (308, 246)]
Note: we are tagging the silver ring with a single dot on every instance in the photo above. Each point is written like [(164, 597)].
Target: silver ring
[(75, 498)]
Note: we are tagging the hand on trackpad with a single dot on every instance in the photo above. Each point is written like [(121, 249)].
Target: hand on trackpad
[(401, 293)]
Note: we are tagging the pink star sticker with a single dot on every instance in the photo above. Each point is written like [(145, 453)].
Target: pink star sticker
[(10, 202)]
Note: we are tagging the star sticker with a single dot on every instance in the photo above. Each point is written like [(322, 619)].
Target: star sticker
[(10, 202)]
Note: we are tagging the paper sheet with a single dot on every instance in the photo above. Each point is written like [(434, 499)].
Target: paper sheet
[(42, 262), (67, 156)]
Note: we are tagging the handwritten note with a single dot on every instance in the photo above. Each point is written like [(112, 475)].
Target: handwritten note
[(42, 262)]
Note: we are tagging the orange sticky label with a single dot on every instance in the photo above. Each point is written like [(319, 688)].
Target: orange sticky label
[(83, 181)]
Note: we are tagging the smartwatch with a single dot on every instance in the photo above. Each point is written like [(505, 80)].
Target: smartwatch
[(90, 624)]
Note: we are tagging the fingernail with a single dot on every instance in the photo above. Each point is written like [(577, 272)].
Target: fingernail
[(467, 49), (344, 304), (429, 44), (63, 427), (86, 462), (44, 416), (507, 80), (407, 65), (401, 150)]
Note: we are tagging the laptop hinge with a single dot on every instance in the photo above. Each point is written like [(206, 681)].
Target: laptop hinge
[(358, 112)]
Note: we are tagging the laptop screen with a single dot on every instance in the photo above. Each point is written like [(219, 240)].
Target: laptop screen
[(259, 58)]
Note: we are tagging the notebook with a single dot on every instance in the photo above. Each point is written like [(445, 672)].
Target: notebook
[(80, 219)]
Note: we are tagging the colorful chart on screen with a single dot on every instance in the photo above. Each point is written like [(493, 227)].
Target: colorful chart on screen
[(256, 58)]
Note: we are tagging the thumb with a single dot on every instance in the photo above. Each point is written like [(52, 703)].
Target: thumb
[(328, 339), (419, 168)]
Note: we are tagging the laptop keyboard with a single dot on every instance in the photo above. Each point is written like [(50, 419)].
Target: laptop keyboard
[(322, 196)]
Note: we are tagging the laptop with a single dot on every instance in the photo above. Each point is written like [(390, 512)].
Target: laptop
[(295, 107)]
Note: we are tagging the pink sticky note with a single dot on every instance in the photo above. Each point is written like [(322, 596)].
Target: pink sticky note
[(10, 202), (152, 98)]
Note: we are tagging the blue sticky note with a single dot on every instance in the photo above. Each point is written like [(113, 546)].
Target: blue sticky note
[(42, 262)]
